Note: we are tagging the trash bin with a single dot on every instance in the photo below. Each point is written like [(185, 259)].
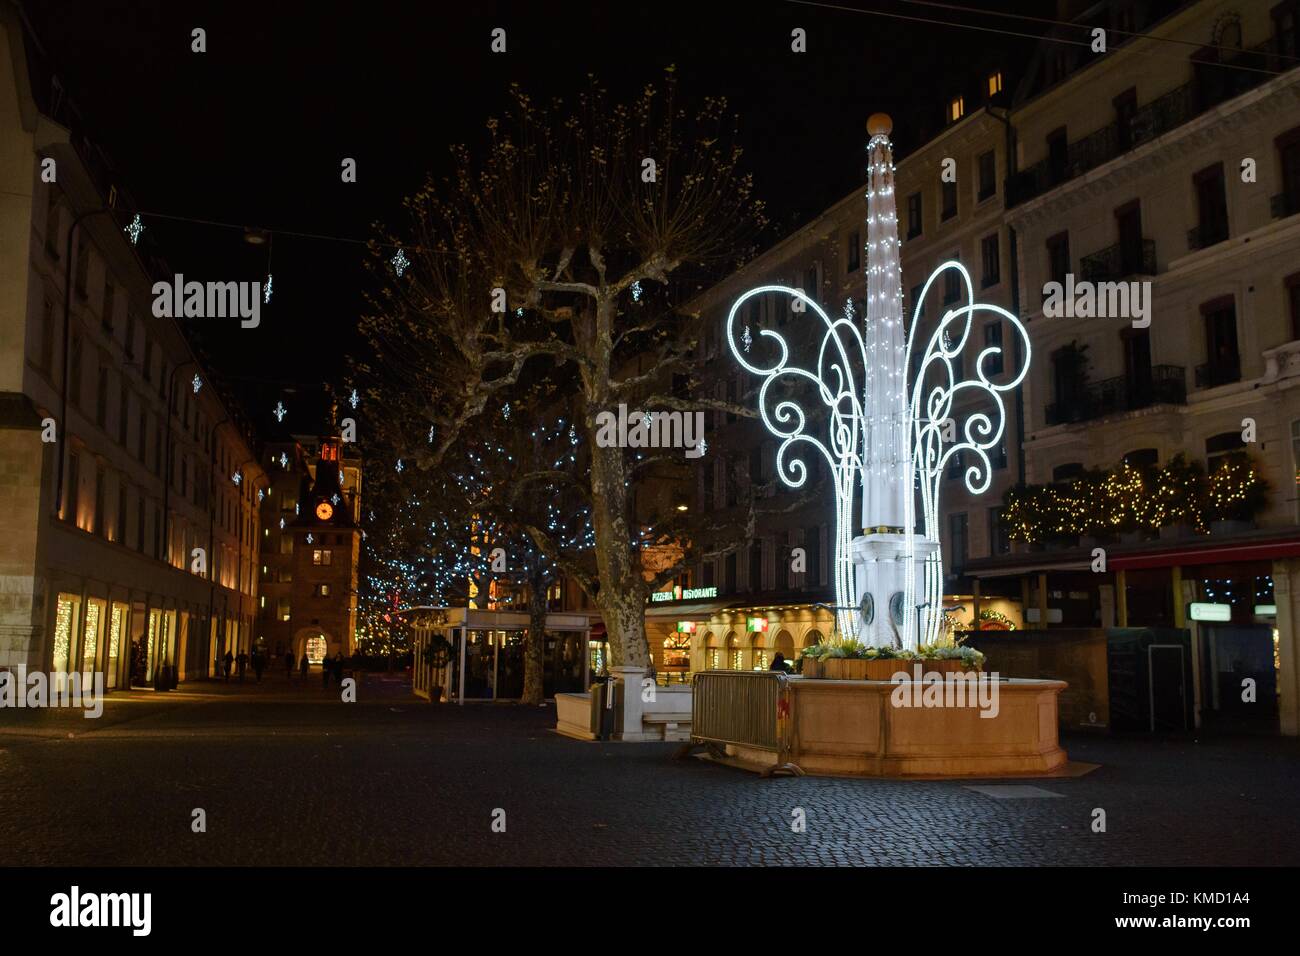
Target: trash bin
[(605, 709)]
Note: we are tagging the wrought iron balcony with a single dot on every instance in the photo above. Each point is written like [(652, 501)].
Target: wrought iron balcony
[(1120, 261), (1284, 204), (1205, 235), (1156, 118), (1223, 372), (1166, 386)]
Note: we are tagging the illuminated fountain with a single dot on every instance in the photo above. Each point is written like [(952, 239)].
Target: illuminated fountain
[(885, 442)]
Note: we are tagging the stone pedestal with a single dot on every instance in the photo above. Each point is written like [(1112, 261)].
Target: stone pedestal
[(631, 704), (880, 564)]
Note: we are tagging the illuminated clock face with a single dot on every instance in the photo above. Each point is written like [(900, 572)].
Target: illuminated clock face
[(324, 511)]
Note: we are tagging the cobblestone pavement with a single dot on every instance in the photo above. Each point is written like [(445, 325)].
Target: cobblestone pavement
[(290, 775)]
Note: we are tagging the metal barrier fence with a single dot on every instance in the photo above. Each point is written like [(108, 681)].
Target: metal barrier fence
[(747, 708)]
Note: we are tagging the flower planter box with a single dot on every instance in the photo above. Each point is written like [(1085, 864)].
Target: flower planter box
[(1176, 532), (848, 668), (1230, 527), (813, 669)]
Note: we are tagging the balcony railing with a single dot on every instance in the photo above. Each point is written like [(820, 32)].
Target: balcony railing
[(1222, 372), (1156, 118), (1120, 261), (1284, 204), (1111, 396), (1205, 235)]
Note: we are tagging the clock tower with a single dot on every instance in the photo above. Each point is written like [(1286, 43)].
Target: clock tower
[(311, 547)]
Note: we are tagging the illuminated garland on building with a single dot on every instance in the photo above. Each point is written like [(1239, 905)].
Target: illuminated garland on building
[(1128, 499)]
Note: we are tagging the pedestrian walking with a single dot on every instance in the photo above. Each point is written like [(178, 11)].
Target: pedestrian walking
[(228, 660), (288, 664), (259, 664), (326, 670), (338, 668), (303, 665), (242, 662)]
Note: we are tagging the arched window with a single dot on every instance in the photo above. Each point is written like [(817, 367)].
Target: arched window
[(1068, 471), (1221, 446), (1142, 458)]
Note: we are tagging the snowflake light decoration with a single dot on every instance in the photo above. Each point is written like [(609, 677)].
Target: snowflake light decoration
[(133, 230), (279, 411)]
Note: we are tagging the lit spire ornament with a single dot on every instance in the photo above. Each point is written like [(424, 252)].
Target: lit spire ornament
[(881, 437), (133, 230)]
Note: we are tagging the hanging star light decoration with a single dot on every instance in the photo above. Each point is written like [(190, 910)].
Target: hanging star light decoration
[(430, 434), (196, 383), (281, 524), (237, 478), (309, 538), (260, 495), (636, 291), (284, 460), (266, 290), (133, 230), (746, 339), (399, 466), (400, 262), (279, 411), (505, 411), (353, 399), (334, 499)]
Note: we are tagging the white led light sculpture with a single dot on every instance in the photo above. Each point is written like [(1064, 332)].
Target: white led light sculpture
[(888, 580)]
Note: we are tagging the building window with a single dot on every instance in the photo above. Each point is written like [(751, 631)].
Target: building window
[(282, 608), (101, 398), (286, 541), (1293, 302), (139, 524), (958, 533), (1058, 257), (993, 340), (914, 223), (83, 264), (1220, 447), (1067, 472), (714, 659), (74, 371), (855, 251), (782, 563), (760, 659), (110, 300), (98, 525), (812, 542), (47, 336), (1142, 458), (949, 201), (955, 465), (729, 568), (999, 542), (951, 285), (74, 487), (322, 556), (123, 413), (1295, 457), (991, 261), (706, 574), (1211, 208), (322, 590), (956, 109), (52, 215), (756, 566), (1058, 155), (1223, 361), (988, 175), (811, 287), (994, 84), (915, 304)]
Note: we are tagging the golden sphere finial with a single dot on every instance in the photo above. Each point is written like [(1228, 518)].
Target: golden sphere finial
[(879, 124)]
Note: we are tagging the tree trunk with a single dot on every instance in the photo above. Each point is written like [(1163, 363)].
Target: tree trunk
[(535, 643)]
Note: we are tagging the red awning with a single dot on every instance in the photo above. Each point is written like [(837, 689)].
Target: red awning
[(1222, 554)]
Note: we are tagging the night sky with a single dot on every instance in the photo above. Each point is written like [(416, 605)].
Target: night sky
[(253, 131)]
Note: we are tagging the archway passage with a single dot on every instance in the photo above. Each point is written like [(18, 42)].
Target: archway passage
[(317, 647)]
